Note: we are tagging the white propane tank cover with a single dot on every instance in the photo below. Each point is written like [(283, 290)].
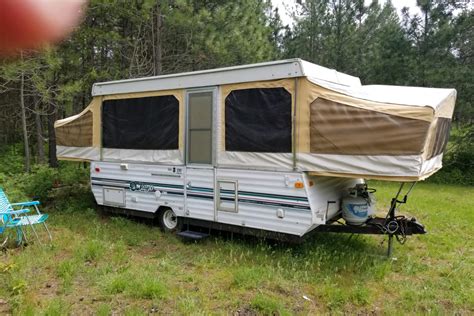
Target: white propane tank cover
[(280, 213), (355, 210)]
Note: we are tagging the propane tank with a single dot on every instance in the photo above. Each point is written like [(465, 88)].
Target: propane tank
[(358, 205)]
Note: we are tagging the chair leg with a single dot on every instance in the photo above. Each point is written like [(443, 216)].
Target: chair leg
[(25, 235), (5, 241), (4, 235), (49, 233), (45, 226), (36, 234), (19, 235)]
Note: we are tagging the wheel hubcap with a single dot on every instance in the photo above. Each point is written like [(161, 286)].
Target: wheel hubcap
[(169, 219)]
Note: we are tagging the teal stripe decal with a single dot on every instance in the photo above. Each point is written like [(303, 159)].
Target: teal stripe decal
[(210, 190)]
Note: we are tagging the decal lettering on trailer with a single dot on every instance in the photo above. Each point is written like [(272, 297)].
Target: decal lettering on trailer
[(142, 187)]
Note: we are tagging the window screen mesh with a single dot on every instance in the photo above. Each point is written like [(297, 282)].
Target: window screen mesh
[(141, 123), (258, 120)]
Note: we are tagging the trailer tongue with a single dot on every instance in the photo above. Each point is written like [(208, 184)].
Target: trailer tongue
[(393, 225)]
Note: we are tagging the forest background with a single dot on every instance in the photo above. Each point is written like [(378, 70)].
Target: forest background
[(127, 39)]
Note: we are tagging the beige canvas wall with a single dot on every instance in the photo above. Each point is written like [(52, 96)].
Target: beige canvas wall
[(72, 123), (307, 92), (437, 138), (77, 133), (337, 128)]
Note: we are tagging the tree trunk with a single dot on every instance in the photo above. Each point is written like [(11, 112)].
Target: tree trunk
[(53, 160), (23, 123), (158, 62), (39, 135), (312, 33)]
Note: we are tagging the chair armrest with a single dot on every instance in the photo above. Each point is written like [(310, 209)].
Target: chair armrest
[(15, 212), (29, 203)]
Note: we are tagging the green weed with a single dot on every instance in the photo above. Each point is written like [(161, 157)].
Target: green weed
[(147, 287), (189, 305), (268, 305), (103, 310), (57, 307), (66, 270), (136, 285), (246, 277), (116, 284), (92, 250)]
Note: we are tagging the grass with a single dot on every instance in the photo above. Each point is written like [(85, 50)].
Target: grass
[(105, 265)]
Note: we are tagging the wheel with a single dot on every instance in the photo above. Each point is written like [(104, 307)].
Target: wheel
[(168, 220)]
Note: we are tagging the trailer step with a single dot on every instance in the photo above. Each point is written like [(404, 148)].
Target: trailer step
[(189, 234)]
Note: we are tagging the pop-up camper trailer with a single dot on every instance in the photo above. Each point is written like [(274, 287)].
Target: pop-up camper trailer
[(279, 147)]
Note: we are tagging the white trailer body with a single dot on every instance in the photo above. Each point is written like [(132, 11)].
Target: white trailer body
[(265, 200)]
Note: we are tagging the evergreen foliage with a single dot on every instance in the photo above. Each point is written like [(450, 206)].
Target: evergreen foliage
[(128, 39)]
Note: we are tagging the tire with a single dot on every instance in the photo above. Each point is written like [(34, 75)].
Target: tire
[(168, 221)]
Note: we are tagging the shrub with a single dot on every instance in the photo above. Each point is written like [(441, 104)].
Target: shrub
[(66, 186), (40, 181), (458, 162), (12, 159)]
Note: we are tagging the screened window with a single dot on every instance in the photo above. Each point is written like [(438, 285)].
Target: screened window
[(141, 123), (258, 120)]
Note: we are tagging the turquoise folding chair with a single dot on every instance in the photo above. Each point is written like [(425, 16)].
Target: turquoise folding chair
[(8, 221), (19, 218)]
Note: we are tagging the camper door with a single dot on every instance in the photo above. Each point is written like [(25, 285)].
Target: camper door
[(200, 153)]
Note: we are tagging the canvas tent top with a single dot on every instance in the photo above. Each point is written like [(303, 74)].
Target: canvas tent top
[(282, 115), (400, 95)]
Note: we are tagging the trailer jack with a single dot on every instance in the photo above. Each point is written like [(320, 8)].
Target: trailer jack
[(395, 226)]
